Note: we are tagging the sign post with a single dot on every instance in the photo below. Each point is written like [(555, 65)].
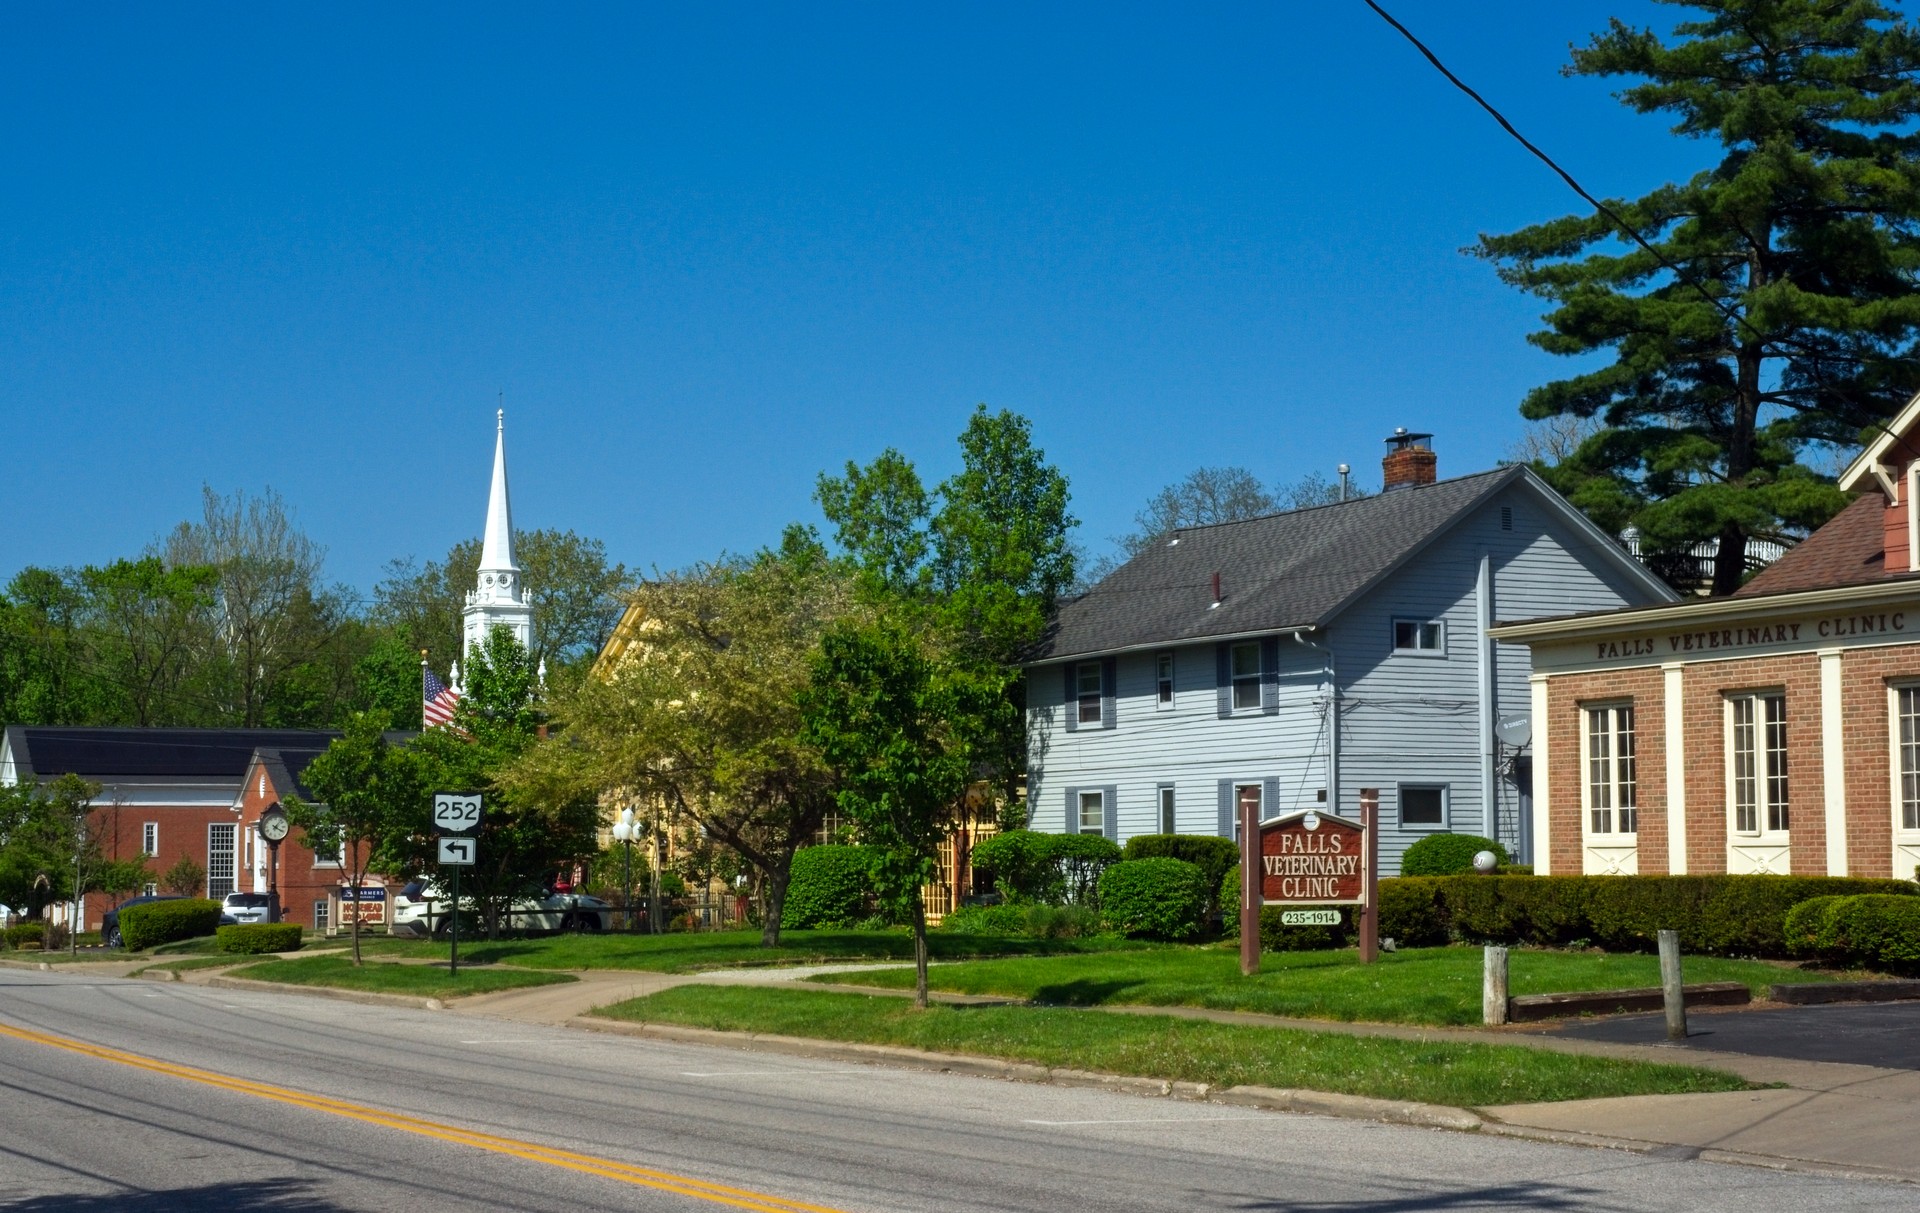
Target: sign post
[(456, 817), (1250, 882), (1370, 890)]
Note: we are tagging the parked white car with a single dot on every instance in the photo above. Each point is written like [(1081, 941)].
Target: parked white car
[(244, 907), (422, 908)]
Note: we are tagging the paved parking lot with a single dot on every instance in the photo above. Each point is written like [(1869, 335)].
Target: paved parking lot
[(1886, 1035)]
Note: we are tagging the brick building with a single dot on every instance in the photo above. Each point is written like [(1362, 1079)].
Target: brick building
[(1774, 731), (195, 794)]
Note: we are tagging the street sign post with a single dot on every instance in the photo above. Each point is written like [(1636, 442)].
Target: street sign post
[(457, 814)]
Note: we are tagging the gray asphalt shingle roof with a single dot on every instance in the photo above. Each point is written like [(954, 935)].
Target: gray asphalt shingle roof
[(1291, 570)]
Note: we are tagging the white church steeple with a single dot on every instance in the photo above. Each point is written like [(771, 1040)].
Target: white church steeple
[(498, 599)]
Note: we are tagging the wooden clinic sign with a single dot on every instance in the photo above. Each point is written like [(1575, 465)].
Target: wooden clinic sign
[(1309, 858)]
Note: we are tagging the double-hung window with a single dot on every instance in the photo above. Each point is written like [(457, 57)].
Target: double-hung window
[(150, 838), (1246, 675), (1757, 753), (1906, 719), (1086, 684), (1093, 813), (1163, 668), (1613, 806), (1419, 636)]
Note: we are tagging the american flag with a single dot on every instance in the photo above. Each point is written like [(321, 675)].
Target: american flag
[(438, 699)]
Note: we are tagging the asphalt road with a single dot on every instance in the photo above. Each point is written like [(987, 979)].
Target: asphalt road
[(137, 1097)]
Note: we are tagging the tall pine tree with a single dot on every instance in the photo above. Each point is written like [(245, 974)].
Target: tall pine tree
[(1791, 319)]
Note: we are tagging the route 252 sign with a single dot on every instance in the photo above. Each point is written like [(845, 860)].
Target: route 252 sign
[(1312, 858), (456, 812)]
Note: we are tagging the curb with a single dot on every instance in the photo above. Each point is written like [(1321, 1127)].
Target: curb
[(1667, 1150), (364, 997), (1319, 1103)]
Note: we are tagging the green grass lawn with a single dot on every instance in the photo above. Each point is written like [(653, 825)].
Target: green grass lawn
[(1418, 985), (681, 953), (196, 962), (1191, 1050), (427, 981)]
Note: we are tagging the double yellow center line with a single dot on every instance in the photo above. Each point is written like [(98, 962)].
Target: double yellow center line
[(586, 1164)]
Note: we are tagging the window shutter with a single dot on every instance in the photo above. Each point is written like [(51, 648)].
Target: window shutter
[(1270, 798), (1109, 678), (1226, 808), (1110, 804), (1070, 700), (1223, 678), (1073, 809), (1270, 676)]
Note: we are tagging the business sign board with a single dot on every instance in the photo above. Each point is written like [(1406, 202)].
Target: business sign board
[(1312, 858)]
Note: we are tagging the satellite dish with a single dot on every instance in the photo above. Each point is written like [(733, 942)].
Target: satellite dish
[(1516, 731)]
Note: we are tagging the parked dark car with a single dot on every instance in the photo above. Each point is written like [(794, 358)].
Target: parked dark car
[(110, 922)]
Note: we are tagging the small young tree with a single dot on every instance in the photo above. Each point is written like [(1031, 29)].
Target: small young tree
[(185, 878), (365, 788), (877, 709)]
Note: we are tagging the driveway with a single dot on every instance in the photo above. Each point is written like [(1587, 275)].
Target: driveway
[(1883, 1035)]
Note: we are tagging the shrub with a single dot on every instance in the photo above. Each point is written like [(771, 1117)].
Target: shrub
[(1808, 929), (1715, 914), (1019, 918), (830, 887), (1052, 869), (1214, 856), (1448, 854), (1874, 930), (159, 922), (25, 933), (1164, 898), (1003, 919), (254, 938), (54, 938)]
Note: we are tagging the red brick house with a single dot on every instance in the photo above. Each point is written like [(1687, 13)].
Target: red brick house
[(193, 793), (1774, 731)]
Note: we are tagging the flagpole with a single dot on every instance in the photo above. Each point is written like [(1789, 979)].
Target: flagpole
[(423, 689)]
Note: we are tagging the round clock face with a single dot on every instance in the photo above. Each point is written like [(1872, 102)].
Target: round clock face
[(274, 828)]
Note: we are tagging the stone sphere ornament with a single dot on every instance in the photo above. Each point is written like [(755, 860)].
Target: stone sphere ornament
[(1485, 862)]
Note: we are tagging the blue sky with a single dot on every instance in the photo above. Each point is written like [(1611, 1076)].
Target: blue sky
[(708, 251)]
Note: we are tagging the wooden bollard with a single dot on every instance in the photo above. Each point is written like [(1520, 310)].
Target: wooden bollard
[(1493, 994), (1673, 992)]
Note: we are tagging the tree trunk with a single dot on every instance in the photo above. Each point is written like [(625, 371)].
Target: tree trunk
[(919, 951), (776, 901), (1730, 561)]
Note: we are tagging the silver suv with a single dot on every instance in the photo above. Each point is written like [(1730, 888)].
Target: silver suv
[(244, 907)]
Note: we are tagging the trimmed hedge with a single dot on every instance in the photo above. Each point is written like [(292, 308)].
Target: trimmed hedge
[(1213, 855), (1875, 930), (1448, 854), (1022, 918), (158, 922), (1161, 897), (254, 938), (830, 887), (1052, 869), (1715, 914), (24, 933)]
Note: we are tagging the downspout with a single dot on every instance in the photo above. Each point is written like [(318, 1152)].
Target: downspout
[(1483, 620), (1333, 724)]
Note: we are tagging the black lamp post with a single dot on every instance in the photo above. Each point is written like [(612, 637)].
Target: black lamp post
[(273, 828)]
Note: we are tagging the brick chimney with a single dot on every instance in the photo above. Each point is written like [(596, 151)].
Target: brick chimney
[(1410, 461)]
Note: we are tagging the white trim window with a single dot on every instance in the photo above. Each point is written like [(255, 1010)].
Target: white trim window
[(1166, 809), (149, 838), (223, 854), (1246, 675), (149, 889), (1757, 762), (1906, 726), (1425, 636), (1086, 683), (1613, 805), (1093, 811), (1163, 681), (1423, 806)]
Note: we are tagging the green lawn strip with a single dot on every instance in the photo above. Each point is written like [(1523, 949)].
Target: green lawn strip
[(426, 981), (682, 953), (195, 962), (1153, 1046), (1418, 985)]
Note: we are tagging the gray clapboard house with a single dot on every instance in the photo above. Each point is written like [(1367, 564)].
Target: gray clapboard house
[(1297, 658)]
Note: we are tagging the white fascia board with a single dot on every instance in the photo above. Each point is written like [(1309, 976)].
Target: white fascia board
[(1867, 462), (1174, 643), (1706, 610)]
